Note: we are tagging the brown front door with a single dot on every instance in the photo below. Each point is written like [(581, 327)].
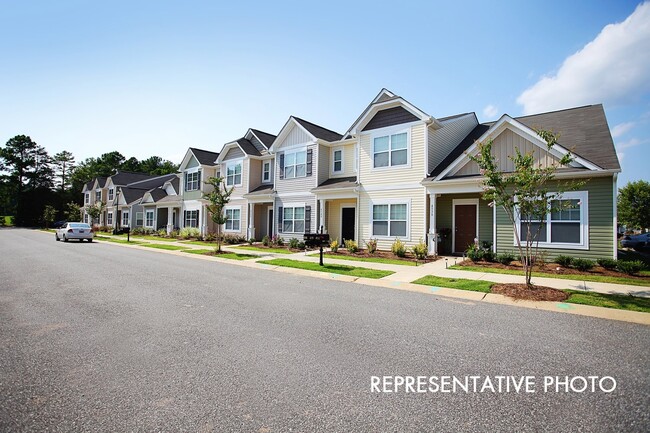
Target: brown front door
[(464, 226)]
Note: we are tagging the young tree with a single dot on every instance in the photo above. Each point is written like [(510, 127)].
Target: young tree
[(49, 214), (94, 211), (72, 212), (64, 164), (524, 193), (634, 205), (218, 198)]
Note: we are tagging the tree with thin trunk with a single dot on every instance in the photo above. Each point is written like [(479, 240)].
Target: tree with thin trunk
[(524, 194), (94, 211), (64, 164), (219, 197), (49, 214)]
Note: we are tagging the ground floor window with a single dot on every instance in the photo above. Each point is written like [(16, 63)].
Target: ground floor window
[(109, 218), (293, 219), (138, 219), (125, 218), (86, 218), (149, 218), (233, 221), (389, 220), (191, 218)]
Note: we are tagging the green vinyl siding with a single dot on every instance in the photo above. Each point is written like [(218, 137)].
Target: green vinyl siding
[(601, 230), (192, 195), (444, 215)]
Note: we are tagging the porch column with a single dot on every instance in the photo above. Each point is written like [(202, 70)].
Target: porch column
[(204, 228), (433, 244), (321, 216), (170, 221), (250, 234)]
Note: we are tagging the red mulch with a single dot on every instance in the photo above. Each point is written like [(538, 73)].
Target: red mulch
[(536, 293), (382, 254)]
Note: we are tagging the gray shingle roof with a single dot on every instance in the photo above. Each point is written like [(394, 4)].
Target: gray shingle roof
[(153, 182), (205, 157), (318, 131), (458, 150), (266, 188), (126, 177), (337, 183), (248, 147), (266, 138)]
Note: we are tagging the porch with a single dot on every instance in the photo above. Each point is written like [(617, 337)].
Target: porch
[(259, 214), (338, 204)]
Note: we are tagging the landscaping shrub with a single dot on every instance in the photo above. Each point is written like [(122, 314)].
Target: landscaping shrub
[(371, 245), (420, 250), (351, 246), (334, 245), (277, 240), (162, 233), (583, 264), (234, 239), (189, 232), (398, 248), (630, 267), (564, 261), (251, 241), (293, 243), (488, 255), (505, 258), (609, 264), (210, 237), (474, 253), (301, 245), (266, 241), (174, 234)]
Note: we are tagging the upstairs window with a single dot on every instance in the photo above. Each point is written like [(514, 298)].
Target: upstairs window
[(98, 196), (233, 174), (337, 161), (295, 164), (266, 171), (390, 150), (87, 198), (111, 193), (192, 180)]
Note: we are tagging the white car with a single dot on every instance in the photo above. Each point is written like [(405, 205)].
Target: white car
[(78, 231)]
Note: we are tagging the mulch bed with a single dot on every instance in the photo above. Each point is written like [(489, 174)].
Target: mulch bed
[(554, 268), (382, 254), (536, 293)]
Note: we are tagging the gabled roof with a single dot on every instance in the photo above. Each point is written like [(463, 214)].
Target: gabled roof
[(131, 195), (474, 135), (101, 181), (122, 178), (318, 131), (176, 183), (205, 157), (266, 138), (247, 147), (89, 185), (153, 182)]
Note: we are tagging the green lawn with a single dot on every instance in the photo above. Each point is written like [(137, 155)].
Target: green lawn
[(266, 250), (117, 241), (595, 278), (232, 256), (200, 243), (333, 269), (620, 302), (153, 238), (368, 259), (456, 283), (165, 247)]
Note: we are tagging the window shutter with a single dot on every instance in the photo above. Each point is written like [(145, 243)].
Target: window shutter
[(309, 158), (307, 219), (281, 166), (280, 219)]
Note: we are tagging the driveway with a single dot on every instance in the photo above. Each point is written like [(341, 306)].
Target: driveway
[(97, 337)]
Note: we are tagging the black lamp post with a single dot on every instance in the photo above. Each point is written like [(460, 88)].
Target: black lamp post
[(116, 230)]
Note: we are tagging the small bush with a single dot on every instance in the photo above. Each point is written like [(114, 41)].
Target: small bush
[(474, 253), (301, 245), (234, 239), (583, 264), (564, 261), (609, 264), (371, 245), (277, 240), (351, 246), (505, 258), (631, 267), (266, 241), (420, 250), (189, 232), (162, 233), (210, 237), (488, 255), (398, 248), (293, 243), (334, 245), (251, 241)]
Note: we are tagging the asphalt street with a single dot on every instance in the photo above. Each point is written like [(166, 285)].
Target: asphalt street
[(98, 337)]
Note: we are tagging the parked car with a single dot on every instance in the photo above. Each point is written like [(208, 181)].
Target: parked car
[(636, 241), (59, 224), (78, 231)]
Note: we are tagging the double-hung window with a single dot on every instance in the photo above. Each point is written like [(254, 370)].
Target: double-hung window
[(109, 218), (564, 225), (87, 198), (337, 161), (266, 171), (233, 174), (295, 164), (233, 219), (192, 180), (389, 220), (138, 219), (390, 150), (125, 218), (98, 196), (149, 218), (191, 218), (111, 192), (293, 219)]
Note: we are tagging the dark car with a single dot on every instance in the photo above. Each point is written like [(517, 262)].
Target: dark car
[(59, 224), (636, 241)]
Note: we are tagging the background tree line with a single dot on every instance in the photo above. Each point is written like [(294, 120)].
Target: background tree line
[(31, 178)]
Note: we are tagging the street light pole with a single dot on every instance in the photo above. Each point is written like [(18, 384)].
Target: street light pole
[(117, 211)]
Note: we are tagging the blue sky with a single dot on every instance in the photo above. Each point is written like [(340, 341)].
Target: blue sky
[(154, 77)]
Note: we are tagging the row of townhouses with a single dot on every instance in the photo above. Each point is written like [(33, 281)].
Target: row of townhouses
[(396, 173)]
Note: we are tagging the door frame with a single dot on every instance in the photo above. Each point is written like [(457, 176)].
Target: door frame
[(348, 206), (270, 221), (454, 203)]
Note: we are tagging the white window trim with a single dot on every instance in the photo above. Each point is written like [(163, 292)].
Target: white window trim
[(377, 133), (125, 217), (227, 208), (109, 218), (191, 171), (234, 163), (111, 193), (198, 217), (583, 196), (141, 218), (293, 205), (270, 179), (153, 218), (454, 203), (296, 152), (408, 219), (87, 198), (334, 150)]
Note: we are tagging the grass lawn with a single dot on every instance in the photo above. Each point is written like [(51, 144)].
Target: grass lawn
[(117, 241), (368, 259), (595, 278), (165, 247), (456, 283), (333, 269), (620, 302), (266, 250), (232, 256), (153, 238), (201, 243)]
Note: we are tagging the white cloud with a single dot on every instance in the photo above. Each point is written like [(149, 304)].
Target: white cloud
[(612, 68), (621, 129), (490, 111), (630, 143)]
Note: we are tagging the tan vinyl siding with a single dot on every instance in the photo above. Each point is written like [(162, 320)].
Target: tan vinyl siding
[(234, 153), (333, 217), (254, 174), (348, 161), (442, 141), (412, 173), (243, 226), (323, 163), (415, 230), (601, 229), (504, 146)]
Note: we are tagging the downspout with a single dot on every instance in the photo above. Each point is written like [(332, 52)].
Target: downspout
[(615, 215)]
